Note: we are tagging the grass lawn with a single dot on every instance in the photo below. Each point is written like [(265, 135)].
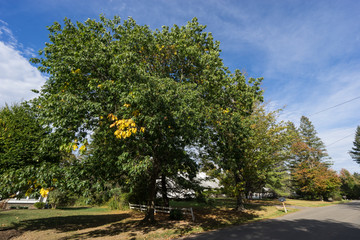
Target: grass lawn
[(100, 222)]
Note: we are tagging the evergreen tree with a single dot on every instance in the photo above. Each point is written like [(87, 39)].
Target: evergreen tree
[(355, 152), (311, 175), (309, 136)]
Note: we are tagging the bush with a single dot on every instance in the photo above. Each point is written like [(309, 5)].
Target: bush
[(337, 197), (39, 205), (176, 214), (12, 207), (60, 198), (119, 202), (23, 207), (82, 201)]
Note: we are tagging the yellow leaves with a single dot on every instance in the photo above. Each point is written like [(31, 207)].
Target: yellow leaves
[(44, 192), (82, 148), (133, 130), (99, 86), (39, 106), (160, 47), (127, 105), (125, 128), (74, 147), (77, 71), (225, 111), (112, 117)]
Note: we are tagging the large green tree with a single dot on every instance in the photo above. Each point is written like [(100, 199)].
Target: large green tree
[(22, 147), (355, 151), (137, 96), (248, 151)]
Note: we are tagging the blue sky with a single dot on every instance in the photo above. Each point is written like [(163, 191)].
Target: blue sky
[(307, 51)]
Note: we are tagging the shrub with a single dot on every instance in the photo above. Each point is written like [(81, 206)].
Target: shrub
[(23, 207), (12, 207), (119, 202), (176, 214), (60, 198), (39, 205), (337, 197)]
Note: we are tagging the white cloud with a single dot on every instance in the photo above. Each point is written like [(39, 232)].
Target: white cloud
[(17, 76)]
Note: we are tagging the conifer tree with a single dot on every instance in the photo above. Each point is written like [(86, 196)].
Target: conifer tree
[(355, 152), (309, 136)]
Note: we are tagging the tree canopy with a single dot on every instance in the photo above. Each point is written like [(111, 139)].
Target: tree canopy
[(22, 148), (135, 98)]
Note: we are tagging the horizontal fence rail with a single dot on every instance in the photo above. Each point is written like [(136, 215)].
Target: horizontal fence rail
[(161, 209)]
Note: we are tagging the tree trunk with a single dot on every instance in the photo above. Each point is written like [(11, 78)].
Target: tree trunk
[(240, 203), (150, 216), (239, 196), (164, 190)]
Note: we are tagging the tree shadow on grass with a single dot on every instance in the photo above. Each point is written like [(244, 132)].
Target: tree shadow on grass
[(129, 223), (207, 220), (73, 208), (69, 223)]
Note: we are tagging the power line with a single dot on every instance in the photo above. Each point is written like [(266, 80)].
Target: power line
[(340, 139), (334, 106)]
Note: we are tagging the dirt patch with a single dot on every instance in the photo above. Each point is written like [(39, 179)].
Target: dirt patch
[(9, 234)]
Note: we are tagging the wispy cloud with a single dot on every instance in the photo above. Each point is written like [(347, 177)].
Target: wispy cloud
[(18, 76)]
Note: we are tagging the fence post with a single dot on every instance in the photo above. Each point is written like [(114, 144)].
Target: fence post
[(192, 214)]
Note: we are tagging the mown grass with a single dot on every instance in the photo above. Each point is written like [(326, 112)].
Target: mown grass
[(307, 203), (88, 223), (11, 218)]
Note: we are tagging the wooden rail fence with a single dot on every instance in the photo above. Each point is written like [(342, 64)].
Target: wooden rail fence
[(160, 209)]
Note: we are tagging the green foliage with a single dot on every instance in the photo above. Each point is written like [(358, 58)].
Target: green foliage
[(119, 200), (307, 145), (355, 151), (176, 214), (250, 149), (60, 198), (143, 95), (20, 138), (350, 185), (39, 205)]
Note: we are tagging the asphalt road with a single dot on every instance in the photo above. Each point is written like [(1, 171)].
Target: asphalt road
[(336, 222)]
